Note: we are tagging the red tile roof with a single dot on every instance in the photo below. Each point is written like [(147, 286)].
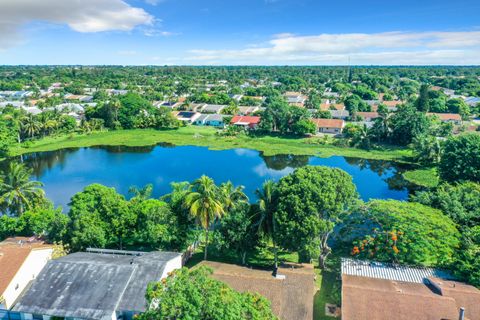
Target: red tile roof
[(329, 123), (245, 119)]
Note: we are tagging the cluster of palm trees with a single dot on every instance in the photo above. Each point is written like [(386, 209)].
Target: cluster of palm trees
[(17, 192), (208, 203)]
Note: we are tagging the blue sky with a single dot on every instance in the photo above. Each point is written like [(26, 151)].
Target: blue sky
[(250, 32)]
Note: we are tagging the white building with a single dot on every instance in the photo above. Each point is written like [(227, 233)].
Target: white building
[(21, 260)]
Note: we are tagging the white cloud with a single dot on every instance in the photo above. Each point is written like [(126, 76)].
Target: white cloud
[(80, 15), (377, 48)]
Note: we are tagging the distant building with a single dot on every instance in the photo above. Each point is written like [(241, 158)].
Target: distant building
[(21, 260), (368, 116), (295, 98), (250, 122), (187, 116), (472, 101), (447, 117), (213, 120), (379, 291), (245, 111), (339, 114), (329, 125), (100, 284), (212, 108)]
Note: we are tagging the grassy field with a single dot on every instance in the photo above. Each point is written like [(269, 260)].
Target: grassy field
[(427, 177), (206, 136)]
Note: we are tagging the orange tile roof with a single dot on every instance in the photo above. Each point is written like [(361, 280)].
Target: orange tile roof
[(13, 253), (329, 123), (327, 106), (368, 114), (392, 103), (446, 116)]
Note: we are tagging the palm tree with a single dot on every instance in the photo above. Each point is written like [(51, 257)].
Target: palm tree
[(30, 125), (16, 119), (144, 193), (232, 196), (266, 216), (16, 189), (204, 204)]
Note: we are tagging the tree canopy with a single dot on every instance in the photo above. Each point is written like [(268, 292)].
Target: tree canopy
[(194, 294)]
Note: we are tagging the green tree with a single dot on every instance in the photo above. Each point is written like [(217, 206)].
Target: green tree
[(405, 232), (467, 262), (311, 201), (157, 226), (237, 232), (265, 212), (17, 192), (304, 127), (100, 217), (459, 201), (423, 101), (205, 205), (407, 124), (461, 158), (428, 149), (30, 126), (194, 294), (231, 196)]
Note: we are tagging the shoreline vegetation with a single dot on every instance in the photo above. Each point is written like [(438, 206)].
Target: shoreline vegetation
[(207, 137)]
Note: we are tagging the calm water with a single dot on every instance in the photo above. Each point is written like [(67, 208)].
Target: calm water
[(66, 172)]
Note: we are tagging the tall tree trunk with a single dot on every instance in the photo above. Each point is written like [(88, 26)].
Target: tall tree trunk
[(324, 250), (244, 257), (206, 245)]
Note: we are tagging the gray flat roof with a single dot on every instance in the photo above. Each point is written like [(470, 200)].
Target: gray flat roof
[(92, 285)]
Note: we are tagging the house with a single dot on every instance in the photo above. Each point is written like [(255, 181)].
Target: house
[(447, 117), (187, 116), (378, 291), (212, 108), (339, 114), (16, 104), (250, 122), (291, 297), (245, 111), (368, 116), (97, 284), (472, 101), (295, 98), (21, 260), (392, 105), (213, 120), (332, 106), (329, 125)]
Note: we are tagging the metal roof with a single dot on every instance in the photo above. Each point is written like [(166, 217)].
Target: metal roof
[(390, 271)]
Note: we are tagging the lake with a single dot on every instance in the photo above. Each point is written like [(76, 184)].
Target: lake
[(66, 172)]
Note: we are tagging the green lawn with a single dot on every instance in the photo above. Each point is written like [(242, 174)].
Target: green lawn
[(329, 288), (427, 177), (205, 136)]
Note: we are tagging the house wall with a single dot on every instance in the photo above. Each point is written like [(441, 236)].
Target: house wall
[(330, 130), (173, 264), (31, 267)]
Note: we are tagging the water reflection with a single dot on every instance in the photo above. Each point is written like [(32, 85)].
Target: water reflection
[(65, 172)]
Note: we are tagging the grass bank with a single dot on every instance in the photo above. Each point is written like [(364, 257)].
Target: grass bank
[(427, 177), (205, 136)]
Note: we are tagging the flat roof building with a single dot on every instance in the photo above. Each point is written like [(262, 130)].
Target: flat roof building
[(102, 284)]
